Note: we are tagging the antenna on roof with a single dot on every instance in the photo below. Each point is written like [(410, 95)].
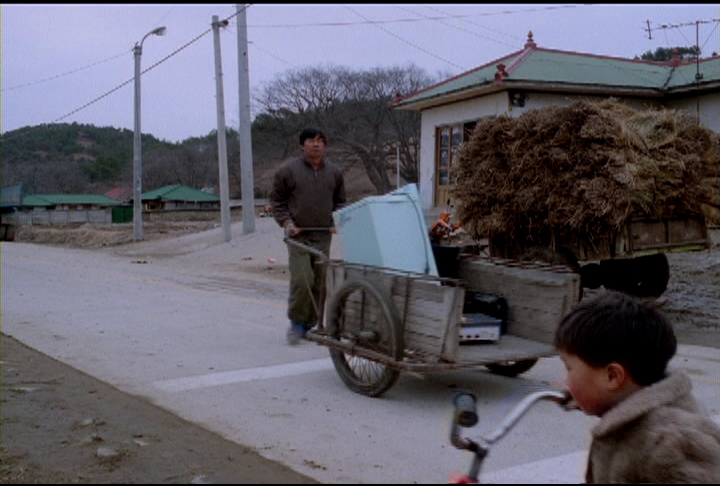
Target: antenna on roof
[(698, 74), (677, 26)]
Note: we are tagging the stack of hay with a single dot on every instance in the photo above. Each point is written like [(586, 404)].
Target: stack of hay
[(582, 170)]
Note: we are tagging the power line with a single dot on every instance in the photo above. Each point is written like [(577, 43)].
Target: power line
[(403, 40), (465, 30), (11, 88), (108, 93), (463, 17), (413, 19), (520, 40)]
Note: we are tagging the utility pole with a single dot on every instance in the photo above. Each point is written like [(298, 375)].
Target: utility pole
[(222, 142), (137, 141), (397, 167), (698, 74), (246, 161)]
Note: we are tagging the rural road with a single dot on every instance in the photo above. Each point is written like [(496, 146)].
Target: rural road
[(197, 326)]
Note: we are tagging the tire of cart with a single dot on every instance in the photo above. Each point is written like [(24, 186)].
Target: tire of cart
[(511, 368), (363, 316)]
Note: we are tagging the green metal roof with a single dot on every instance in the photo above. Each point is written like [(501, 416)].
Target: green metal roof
[(179, 192), (561, 67), (482, 75), (36, 201), (176, 192), (45, 200), (548, 69), (684, 75)]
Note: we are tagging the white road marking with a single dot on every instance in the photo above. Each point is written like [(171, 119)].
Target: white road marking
[(237, 376), (565, 469)]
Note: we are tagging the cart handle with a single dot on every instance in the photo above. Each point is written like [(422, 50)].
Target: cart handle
[(322, 256)]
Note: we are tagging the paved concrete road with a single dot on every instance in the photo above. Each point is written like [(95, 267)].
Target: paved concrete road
[(198, 337)]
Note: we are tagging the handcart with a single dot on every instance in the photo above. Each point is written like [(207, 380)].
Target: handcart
[(378, 322)]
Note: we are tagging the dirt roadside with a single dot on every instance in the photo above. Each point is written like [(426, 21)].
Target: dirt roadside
[(59, 425)]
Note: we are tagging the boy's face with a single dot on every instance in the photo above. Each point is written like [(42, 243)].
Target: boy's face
[(592, 388)]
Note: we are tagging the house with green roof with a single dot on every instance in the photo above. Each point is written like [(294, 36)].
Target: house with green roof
[(67, 209), (42, 209), (535, 77), (179, 197)]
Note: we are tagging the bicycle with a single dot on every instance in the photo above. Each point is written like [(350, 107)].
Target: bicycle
[(465, 416)]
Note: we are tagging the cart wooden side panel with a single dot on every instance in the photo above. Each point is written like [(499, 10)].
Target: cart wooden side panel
[(537, 297), (430, 312), (637, 237)]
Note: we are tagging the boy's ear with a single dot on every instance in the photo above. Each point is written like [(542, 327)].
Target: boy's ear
[(616, 375)]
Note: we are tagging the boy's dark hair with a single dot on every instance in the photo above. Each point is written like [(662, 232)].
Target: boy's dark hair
[(312, 132), (616, 327)]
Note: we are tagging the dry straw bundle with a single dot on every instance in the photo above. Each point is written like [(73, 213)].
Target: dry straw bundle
[(584, 169)]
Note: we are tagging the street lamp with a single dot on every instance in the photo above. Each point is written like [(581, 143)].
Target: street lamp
[(137, 154)]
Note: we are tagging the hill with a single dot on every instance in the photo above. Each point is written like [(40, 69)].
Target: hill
[(85, 159)]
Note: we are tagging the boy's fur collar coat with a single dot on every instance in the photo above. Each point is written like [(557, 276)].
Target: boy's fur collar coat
[(659, 434)]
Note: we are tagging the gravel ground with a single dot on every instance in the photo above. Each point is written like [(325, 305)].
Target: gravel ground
[(692, 299)]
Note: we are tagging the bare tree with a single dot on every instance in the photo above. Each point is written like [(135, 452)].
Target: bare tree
[(352, 107)]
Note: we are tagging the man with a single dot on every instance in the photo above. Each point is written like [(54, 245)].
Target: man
[(304, 195)]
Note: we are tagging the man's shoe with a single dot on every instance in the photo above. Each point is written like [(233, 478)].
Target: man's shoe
[(295, 333)]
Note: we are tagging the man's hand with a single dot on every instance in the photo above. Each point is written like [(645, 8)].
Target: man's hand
[(291, 229)]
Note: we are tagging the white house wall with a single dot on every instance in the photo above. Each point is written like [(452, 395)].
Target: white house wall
[(43, 216), (541, 100), (709, 109), (463, 111), (471, 110), (497, 104)]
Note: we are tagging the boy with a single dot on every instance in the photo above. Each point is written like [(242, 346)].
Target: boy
[(652, 430)]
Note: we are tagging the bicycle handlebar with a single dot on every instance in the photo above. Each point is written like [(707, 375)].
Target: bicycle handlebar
[(465, 411), (561, 398), (466, 416)]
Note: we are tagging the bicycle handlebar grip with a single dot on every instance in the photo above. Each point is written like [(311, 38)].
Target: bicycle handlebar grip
[(465, 409)]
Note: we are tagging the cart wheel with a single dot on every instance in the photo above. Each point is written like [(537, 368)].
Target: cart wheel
[(511, 368), (362, 315)]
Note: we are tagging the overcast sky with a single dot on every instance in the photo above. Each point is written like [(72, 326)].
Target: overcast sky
[(74, 63)]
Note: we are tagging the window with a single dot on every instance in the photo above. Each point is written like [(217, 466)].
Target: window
[(449, 139)]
